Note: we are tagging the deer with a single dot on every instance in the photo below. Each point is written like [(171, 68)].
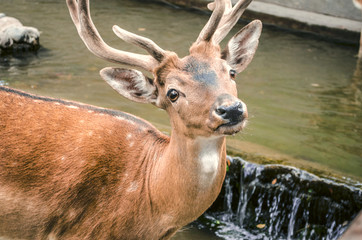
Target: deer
[(69, 170)]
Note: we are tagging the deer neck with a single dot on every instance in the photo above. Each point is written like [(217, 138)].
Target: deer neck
[(190, 174), (200, 159)]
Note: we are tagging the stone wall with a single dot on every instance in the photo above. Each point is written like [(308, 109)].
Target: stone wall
[(337, 8), (281, 202)]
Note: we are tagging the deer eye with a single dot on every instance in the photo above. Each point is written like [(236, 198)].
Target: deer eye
[(232, 74), (173, 95)]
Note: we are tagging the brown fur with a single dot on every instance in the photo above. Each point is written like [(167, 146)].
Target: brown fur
[(205, 49), (68, 172)]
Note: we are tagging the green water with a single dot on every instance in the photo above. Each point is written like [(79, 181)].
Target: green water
[(303, 94)]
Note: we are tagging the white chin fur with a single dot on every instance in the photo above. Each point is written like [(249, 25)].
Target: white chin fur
[(231, 130)]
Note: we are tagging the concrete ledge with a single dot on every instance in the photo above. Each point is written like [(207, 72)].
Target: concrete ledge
[(324, 26), (338, 8), (306, 17)]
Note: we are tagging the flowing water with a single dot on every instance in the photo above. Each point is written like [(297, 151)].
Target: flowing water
[(277, 202), (303, 94)]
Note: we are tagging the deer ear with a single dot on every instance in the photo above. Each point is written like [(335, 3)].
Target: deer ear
[(241, 48), (131, 84)]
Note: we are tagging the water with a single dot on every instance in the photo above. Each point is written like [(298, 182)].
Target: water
[(275, 202), (303, 94)]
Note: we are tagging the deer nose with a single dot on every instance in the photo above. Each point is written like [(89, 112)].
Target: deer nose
[(233, 113)]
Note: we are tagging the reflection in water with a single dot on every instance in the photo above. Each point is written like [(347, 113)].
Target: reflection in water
[(336, 131), (339, 123), (22, 59)]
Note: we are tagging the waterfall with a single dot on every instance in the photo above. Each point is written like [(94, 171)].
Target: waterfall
[(295, 208), (279, 202)]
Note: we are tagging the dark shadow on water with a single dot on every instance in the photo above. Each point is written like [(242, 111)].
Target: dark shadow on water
[(15, 63), (23, 58)]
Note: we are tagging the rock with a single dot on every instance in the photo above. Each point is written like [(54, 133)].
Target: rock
[(16, 37), (280, 202)]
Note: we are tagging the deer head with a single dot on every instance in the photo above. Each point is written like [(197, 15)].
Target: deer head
[(197, 91)]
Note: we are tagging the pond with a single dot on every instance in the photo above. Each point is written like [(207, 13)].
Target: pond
[(303, 93)]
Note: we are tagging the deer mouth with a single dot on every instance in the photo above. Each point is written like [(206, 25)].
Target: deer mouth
[(231, 128)]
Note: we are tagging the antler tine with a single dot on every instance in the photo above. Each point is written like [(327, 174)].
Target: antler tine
[(145, 43), (208, 31), (72, 7), (229, 19), (79, 11)]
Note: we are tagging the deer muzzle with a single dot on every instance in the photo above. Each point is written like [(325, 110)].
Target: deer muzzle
[(228, 115)]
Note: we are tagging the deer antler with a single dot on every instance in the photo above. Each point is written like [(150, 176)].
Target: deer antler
[(79, 11), (145, 43), (208, 31), (225, 17)]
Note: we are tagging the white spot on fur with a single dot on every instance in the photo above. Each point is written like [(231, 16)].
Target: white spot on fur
[(63, 158), (129, 136), (132, 187), (132, 123), (73, 107), (90, 111), (209, 160), (90, 133), (131, 144), (120, 118), (209, 157)]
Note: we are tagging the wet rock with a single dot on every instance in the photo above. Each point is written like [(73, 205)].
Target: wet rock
[(279, 202), (14, 37)]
